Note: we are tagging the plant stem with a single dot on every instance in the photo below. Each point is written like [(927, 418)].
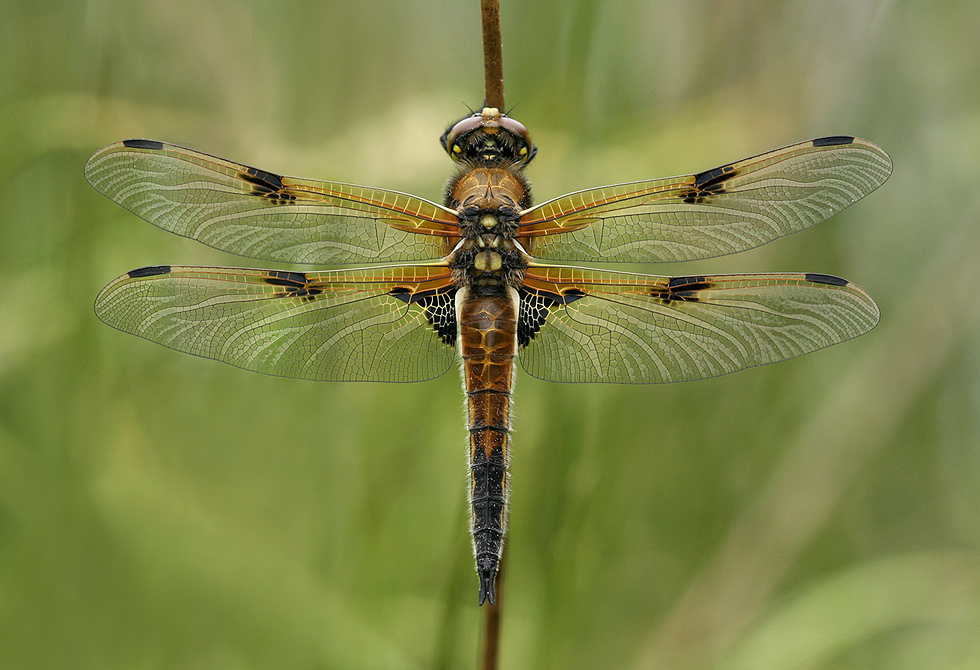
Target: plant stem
[(493, 60), (493, 67), (492, 615)]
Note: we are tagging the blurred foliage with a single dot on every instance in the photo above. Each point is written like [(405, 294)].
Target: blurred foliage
[(161, 511)]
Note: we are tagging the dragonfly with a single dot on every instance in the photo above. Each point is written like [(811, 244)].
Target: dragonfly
[(463, 282)]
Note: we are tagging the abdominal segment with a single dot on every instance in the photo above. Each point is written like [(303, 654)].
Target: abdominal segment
[(488, 344)]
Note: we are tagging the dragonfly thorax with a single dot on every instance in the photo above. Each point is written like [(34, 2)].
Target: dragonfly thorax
[(488, 261), (488, 258), (488, 202)]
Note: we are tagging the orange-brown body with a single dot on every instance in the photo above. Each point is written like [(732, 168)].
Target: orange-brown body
[(490, 188), (488, 345), (488, 264)]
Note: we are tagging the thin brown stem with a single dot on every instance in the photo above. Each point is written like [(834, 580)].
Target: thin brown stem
[(493, 67), (492, 615), (493, 60)]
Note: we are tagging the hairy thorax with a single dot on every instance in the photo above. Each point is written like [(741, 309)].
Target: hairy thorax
[(489, 201)]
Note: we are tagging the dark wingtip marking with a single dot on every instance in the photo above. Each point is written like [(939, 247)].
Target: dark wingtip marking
[(833, 140), (825, 279), (149, 271), (143, 144)]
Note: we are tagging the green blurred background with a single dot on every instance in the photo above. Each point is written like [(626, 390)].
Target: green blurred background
[(164, 511)]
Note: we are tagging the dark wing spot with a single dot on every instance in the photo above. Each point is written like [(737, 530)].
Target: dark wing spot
[(833, 140), (825, 279), (402, 293), (715, 176), (708, 183), (143, 144), (439, 306), (266, 185), (682, 289), (535, 308), (533, 312), (285, 278), (262, 178), (440, 309), (684, 281), (296, 284), (149, 271)]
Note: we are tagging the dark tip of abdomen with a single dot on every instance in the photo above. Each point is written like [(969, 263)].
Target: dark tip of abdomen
[(487, 577)]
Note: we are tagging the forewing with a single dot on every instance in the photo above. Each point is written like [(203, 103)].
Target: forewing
[(722, 211), (581, 325), (381, 324), (259, 214)]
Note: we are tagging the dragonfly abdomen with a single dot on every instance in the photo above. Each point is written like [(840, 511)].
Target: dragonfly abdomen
[(488, 344)]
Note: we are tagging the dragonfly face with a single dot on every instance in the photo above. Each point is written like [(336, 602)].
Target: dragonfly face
[(489, 139), (469, 281)]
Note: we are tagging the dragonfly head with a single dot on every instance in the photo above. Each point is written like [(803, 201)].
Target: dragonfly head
[(488, 138)]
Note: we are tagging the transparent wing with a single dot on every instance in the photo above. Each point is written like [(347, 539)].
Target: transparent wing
[(254, 213), (380, 324), (591, 326), (722, 211)]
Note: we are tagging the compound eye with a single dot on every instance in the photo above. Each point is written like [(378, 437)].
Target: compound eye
[(469, 124), (515, 127)]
